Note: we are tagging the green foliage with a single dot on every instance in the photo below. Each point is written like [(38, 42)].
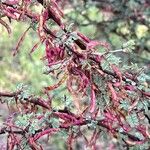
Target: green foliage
[(110, 59), (143, 77), (23, 67), (132, 119), (144, 146), (23, 120), (34, 125), (117, 22), (139, 135), (143, 105), (125, 105), (25, 145), (54, 122), (67, 103), (27, 121), (128, 46), (24, 91), (94, 13), (63, 134), (132, 68)]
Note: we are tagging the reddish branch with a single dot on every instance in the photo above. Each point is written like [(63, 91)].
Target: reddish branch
[(65, 115), (35, 101)]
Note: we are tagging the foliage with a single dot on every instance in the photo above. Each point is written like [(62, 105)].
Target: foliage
[(116, 21), (104, 99)]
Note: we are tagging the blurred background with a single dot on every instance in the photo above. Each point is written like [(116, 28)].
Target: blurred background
[(112, 21)]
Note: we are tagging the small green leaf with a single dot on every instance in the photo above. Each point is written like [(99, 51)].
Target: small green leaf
[(128, 46), (143, 77), (54, 122), (133, 120), (143, 105), (139, 135), (23, 120), (111, 59), (124, 104), (33, 126)]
